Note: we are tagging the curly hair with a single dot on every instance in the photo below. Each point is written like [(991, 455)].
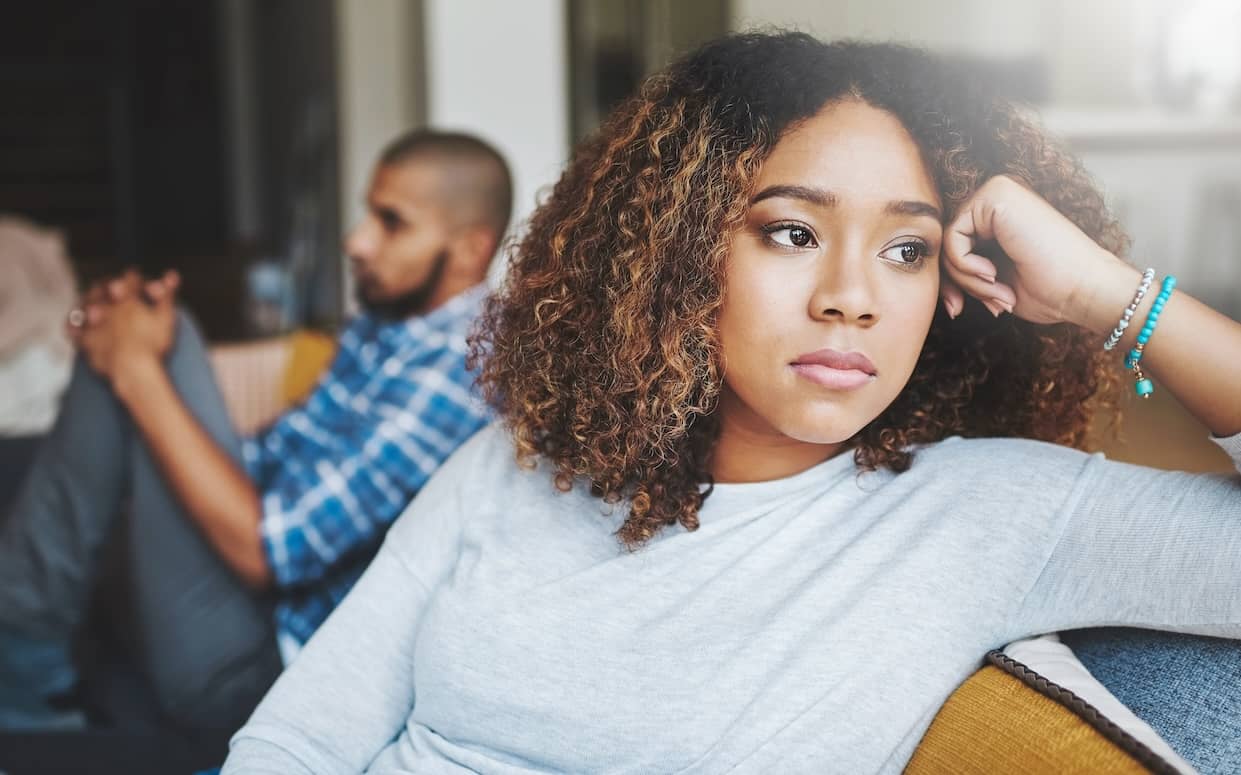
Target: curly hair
[(601, 352)]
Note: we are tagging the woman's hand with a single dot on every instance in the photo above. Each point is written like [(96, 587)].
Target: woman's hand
[(1053, 272)]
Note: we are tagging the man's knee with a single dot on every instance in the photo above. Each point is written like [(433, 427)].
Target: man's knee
[(223, 700), (188, 332)]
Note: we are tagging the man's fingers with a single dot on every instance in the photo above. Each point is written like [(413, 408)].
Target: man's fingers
[(124, 286), (97, 293), (94, 314), (164, 288), (155, 290), (74, 331)]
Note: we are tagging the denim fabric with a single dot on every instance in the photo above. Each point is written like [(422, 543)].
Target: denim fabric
[(202, 639), (32, 669), (16, 455), (1187, 687)]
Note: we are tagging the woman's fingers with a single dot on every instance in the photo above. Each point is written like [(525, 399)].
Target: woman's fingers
[(958, 253), (995, 295), (953, 296), (973, 273), (974, 224)]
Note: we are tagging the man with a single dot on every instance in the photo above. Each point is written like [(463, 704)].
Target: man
[(223, 532)]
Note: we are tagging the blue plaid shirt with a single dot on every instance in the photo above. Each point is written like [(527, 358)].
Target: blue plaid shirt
[(336, 471)]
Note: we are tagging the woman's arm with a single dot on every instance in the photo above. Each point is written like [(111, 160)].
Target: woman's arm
[(1195, 352), (1141, 547), (1133, 546), (1059, 274), (350, 691)]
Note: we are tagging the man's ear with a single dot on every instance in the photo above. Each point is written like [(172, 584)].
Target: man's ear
[(476, 246)]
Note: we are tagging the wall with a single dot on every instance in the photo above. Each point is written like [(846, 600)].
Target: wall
[(1093, 51), (378, 88), (493, 68), (499, 69), (1000, 28)]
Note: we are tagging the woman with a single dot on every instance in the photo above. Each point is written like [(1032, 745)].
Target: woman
[(742, 529)]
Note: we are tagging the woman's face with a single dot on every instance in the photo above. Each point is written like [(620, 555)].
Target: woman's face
[(831, 282)]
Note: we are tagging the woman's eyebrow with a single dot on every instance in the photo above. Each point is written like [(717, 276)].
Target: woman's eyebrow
[(824, 198), (815, 196), (913, 208)]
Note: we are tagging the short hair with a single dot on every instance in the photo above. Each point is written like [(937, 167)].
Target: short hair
[(476, 165)]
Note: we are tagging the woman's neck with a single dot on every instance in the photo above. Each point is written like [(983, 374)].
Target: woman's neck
[(743, 453)]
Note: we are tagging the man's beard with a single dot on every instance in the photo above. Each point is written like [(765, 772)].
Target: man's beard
[(410, 303)]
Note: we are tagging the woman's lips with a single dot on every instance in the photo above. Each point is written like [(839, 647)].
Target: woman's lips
[(836, 379), (836, 370)]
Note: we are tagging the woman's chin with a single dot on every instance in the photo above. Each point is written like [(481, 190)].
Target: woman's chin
[(824, 434), (820, 424)]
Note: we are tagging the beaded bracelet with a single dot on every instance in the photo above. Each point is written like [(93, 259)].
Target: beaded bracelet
[(1143, 386), (1148, 277)]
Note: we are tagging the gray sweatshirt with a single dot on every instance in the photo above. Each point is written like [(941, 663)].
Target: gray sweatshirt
[(812, 624)]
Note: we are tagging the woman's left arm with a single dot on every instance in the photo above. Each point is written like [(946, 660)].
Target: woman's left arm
[(1059, 275)]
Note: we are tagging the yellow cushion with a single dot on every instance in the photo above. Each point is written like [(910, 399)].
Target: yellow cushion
[(996, 723), (310, 353)]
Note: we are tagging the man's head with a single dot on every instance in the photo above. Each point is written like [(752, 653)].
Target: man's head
[(437, 209)]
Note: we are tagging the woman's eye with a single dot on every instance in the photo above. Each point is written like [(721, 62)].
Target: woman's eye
[(791, 236), (907, 253)]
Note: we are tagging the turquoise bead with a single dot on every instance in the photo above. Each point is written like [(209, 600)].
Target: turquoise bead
[(1144, 387)]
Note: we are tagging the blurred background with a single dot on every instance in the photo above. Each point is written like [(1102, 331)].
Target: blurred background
[(232, 139)]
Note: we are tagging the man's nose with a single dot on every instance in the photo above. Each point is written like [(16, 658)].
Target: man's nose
[(360, 242)]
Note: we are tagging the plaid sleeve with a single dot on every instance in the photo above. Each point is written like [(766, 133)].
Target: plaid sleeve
[(346, 484), (264, 453)]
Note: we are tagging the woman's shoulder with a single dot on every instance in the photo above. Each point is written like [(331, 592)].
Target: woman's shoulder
[(1010, 455), (471, 481), (478, 469), (488, 454)]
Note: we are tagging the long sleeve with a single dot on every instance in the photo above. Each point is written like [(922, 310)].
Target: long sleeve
[(351, 690), (1146, 548)]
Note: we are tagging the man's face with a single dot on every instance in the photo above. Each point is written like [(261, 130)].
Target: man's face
[(399, 249)]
